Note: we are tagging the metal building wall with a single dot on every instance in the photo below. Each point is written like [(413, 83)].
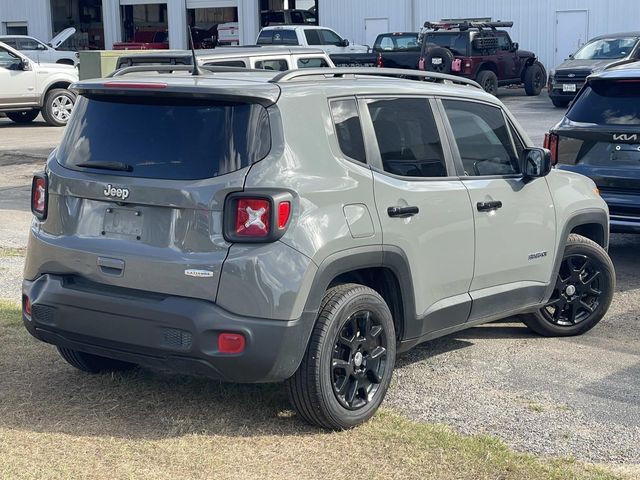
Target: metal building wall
[(37, 14), (347, 17), (534, 21)]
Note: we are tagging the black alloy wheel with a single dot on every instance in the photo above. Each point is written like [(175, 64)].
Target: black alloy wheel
[(359, 360), (577, 292)]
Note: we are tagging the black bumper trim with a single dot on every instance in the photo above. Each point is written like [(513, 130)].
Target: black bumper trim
[(175, 333)]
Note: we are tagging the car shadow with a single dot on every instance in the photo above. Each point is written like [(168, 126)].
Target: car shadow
[(623, 250)]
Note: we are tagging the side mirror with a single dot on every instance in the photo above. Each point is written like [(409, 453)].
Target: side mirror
[(536, 163), (345, 43), (515, 46)]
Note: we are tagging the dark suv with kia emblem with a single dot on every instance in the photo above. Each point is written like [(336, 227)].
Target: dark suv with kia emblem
[(600, 137)]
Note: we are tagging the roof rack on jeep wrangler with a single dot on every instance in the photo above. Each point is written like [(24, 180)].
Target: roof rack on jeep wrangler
[(465, 25), (372, 71), (176, 68)]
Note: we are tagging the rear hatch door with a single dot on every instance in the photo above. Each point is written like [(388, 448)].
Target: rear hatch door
[(600, 137), (137, 187)]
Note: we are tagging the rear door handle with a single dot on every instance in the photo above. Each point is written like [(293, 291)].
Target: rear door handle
[(487, 206), (403, 212)]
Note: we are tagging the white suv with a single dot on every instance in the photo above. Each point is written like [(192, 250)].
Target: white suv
[(29, 88), (308, 36)]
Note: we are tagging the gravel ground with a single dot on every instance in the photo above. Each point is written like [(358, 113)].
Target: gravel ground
[(575, 397)]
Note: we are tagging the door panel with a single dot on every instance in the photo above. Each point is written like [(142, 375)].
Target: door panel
[(422, 211), (571, 33), (18, 86), (514, 220), (374, 27)]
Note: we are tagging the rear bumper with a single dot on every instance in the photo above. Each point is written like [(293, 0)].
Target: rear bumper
[(176, 333), (624, 211)]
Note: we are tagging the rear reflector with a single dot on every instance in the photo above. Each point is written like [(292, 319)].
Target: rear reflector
[(284, 211), (136, 85), (252, 217), (551, 143), (26, 306), (231, 343), (39, 196)]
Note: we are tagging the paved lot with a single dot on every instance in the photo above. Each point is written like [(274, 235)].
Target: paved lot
[(576, 397)]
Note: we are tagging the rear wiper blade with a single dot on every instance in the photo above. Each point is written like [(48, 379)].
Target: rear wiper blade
[(120, 166)]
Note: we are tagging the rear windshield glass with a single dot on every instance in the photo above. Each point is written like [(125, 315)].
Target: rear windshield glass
[(407, 42), (608, 103), (177, 139), (454, 41)]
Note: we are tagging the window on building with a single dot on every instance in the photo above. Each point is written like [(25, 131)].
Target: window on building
[(15, 28), (408, 137)]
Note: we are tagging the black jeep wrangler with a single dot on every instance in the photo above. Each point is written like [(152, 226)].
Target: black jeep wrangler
[(479, 51)]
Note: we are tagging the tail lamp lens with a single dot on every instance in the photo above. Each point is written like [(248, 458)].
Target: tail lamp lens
[(231, 343), (253, 217), (39, 196), (379, 61), (284, 211), (551, 143), (26, 306)]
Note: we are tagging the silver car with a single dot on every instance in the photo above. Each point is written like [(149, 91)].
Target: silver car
[(41, 52)]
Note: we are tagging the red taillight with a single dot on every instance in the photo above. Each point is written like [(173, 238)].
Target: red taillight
[(136, 85), (39, 196), (284, 211), (253, 217), (257, 217), (26, 306), (421, 63), (379, 61), (231, 343), (551, 143)]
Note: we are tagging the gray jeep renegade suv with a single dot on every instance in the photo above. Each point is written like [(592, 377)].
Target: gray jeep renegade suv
[(303, 227)]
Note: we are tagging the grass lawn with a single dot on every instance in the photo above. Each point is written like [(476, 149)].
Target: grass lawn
[(56, 422)]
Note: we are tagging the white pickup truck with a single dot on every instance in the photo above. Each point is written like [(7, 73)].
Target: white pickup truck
[(308, 36), (29, 88)]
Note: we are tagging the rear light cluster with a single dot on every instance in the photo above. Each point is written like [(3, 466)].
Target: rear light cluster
[(257, 217), (551, 143), (379, 61), (40, 196)]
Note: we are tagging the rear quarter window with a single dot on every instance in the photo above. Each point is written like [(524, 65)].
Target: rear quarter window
[(164, 138)]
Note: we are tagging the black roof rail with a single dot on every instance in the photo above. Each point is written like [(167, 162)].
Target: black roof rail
[(177, 68), (466, 25), (326, 73)]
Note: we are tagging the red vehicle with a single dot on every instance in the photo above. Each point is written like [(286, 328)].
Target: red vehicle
[(147, 40)]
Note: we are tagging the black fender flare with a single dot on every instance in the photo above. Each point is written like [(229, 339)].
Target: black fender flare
[(582, 217)]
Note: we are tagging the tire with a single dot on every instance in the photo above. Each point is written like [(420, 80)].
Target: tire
[(446, 60), (534, 79), (58, 104), (92, 363), (488, 81), (586, 269), (560, 103), (26, 116), (344, 376)]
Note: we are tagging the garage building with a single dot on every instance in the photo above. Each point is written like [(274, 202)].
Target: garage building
[(550, 28)]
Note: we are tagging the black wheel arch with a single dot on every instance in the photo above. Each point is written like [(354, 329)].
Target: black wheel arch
[(386, 271), (486, 66), (592, 224)]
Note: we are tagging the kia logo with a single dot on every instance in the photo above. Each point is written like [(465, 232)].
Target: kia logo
[(624, 137)]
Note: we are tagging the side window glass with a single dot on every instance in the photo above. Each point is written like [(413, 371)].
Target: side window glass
[(12, 42), (265, 38), (28, 44), (313, 37), (503, 42), (330, 38), (348, 128), (277, 64), (227, 63), (483, 139), (312, 63), (296, 17), (408, 137), (517, 141), (285, 37), (8, 60)]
